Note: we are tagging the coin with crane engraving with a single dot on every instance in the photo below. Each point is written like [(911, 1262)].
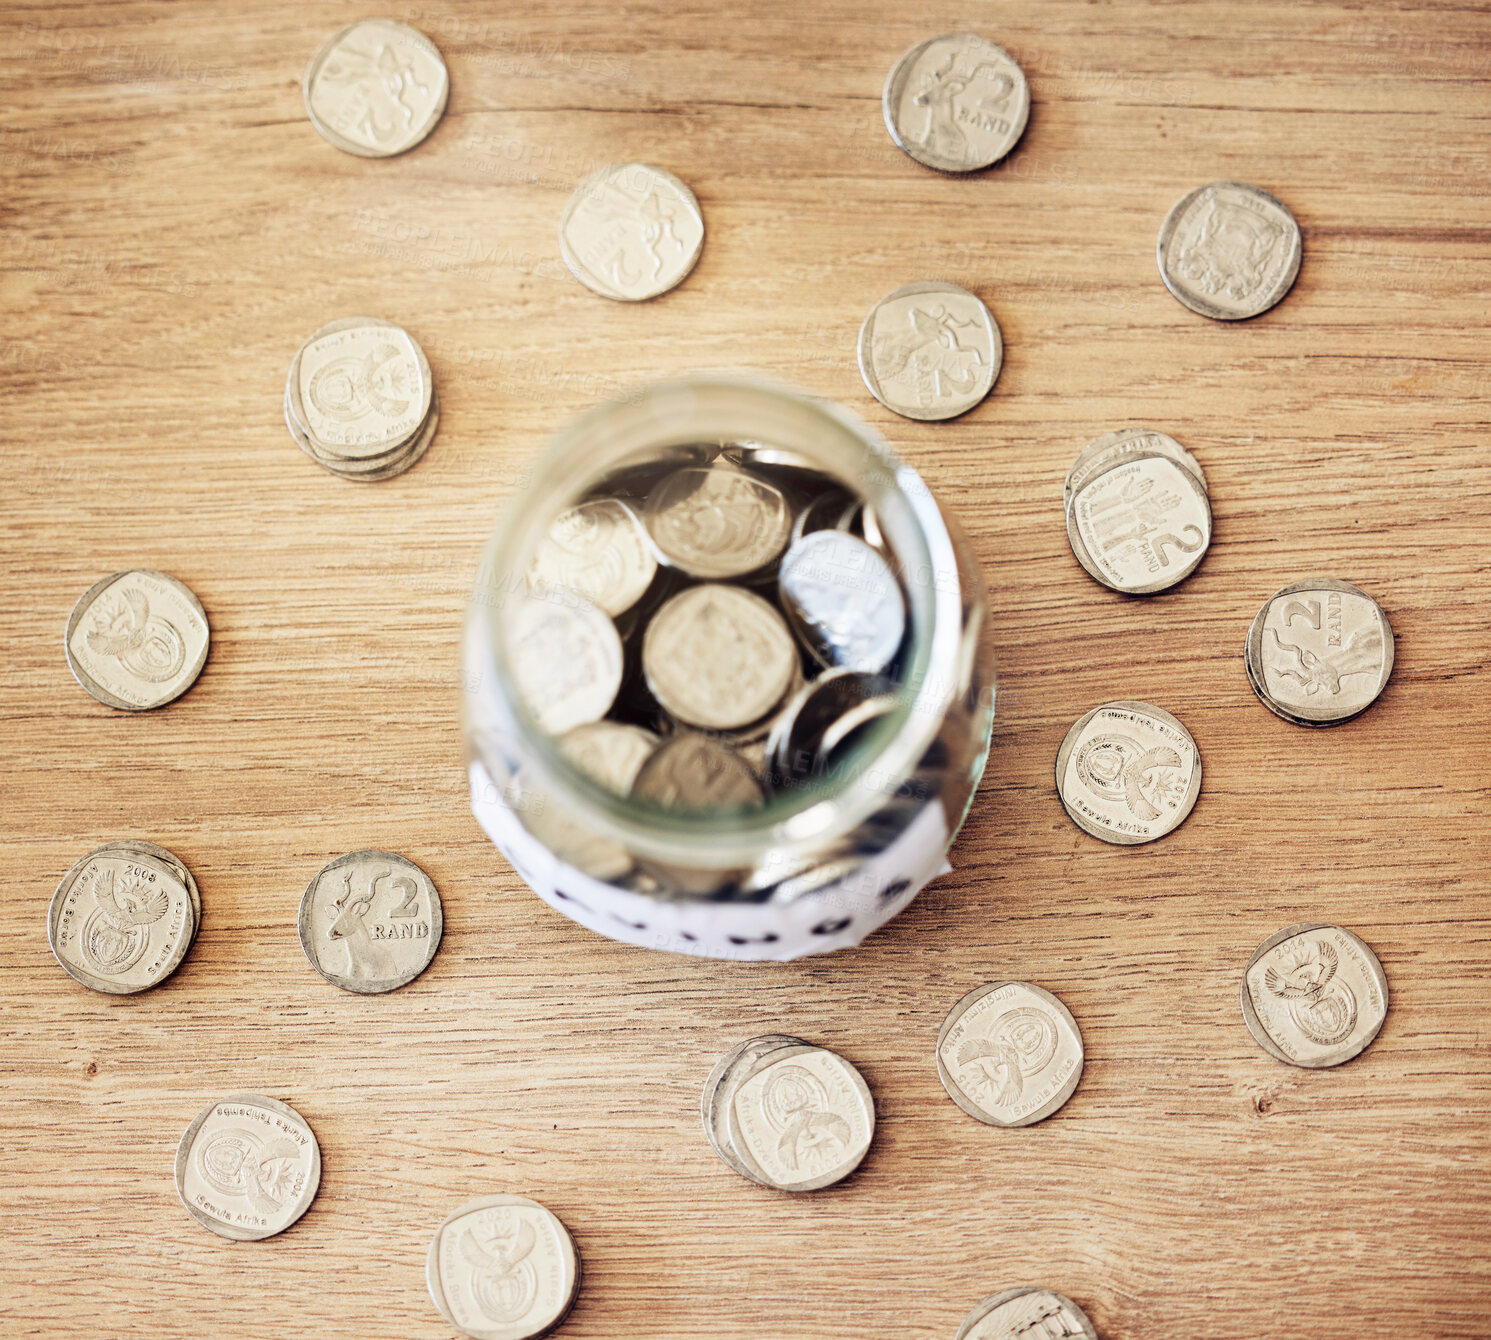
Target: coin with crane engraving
[(631, 231), (137, 639), (1026, 1313), (1229, 250), (930, 350), (376, 88)]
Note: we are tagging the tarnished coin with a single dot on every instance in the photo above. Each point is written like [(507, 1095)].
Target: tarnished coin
[(566, 658), (1128, 773), (503, 1268), (1103, 453), (609, 752), (137, 639), (370, 921), (1314, 995), (123, 917), (360, 388), (694, 772), (1009, 1054), (631, 231), (376, 88), (718, 657), (1229, 251), (248, 1167), (1319, 652), (598, 550), (956, 103), (717, 521), (930, 350), (1026, 1313), (843, 600)]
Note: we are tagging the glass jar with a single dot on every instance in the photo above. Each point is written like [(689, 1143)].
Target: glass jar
[(821, 863)]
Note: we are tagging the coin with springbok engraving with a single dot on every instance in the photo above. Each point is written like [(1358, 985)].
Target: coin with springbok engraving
[(1009, 1054), (718, 521), (598, 550), (376, 88), (503, 1268), (1026, 1313), (566, 658), (248, 1167), (1229, 251), (370, 921), (930, 350), (137, 639), (1314, 995), (844, 601), (631, 231)]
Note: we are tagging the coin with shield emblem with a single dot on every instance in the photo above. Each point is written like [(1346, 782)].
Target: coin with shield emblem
[(137, 639), (1229, 250)]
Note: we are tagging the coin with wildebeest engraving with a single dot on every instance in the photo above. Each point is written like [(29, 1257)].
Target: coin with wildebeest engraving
[(1026, 1313), (930, 350), (631, 231)]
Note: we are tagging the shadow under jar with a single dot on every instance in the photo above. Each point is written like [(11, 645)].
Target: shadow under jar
[(728, 685)]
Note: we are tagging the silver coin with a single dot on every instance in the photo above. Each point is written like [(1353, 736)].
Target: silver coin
[(248, 1167), (376, 88), (956, 103), (566, 659), (122, 919), (820, 719), (1009, 1054), (609, 752), (739, 1060), (843, 600), (139, 847), (631, 231), (503, 1268), (1319, 652), (718, 657), (1128, 773), (370, 921), (137, 639), (1229, 251), (562, 832), (383, 467), (930, 350), (1027, 1313), (693, 772), (717, 521), (600, 551), (1110, 449), (1314, 995), (829, 509)]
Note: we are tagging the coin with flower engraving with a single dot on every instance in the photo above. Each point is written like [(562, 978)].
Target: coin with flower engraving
[(598, 550), (689, 771), (1229, 250), (719, 521), (566, 659), (1103, 453), (1314, 995), (843, 600), (503, 1268), (1026, 1313), (248, 1167), (956, 103), (376, 88), (137, 639), (631, 231), (930, 350)]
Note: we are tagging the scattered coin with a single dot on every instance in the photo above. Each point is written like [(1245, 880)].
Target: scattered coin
[(956, 103), (248, 1167), (1314, 995), (1229, 251), (370, 922), (598, 550), (503, 1268), (566, 659), (137, 639), (717, 521), (1319, 652), (694, 772), (1026, 1313), (631, 232), (1128, 773), (930, 350), (376, 88), (843, 600), (1009, 1054)]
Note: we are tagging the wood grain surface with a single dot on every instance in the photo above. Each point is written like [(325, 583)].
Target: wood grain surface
[(171, 228)]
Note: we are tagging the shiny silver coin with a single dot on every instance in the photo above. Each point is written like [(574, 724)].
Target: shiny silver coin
[(1103, 453), (1009, 1054), (566, 660), (1027, 1313), (370, 922), (930, 350), (843, 600), (1319, 652), (692, 772), (818, 727), (122, 919), (248, 1167), (714, 1101), (1128, 773), (717, 521), (631, 231), (956, 103), (600, 551), (376, 88), (1314, 995), (137, 639), (1229, 251), (609, 752)]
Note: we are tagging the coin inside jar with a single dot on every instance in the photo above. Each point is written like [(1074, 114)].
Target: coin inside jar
[(598, 550), (566, 660), (821, 718), (717, 521), (693, 772), (844, 600)]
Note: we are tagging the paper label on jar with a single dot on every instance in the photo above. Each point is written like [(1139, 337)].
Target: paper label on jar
[(835, 917)]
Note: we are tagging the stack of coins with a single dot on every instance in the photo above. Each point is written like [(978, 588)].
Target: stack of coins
[(786, 1114), (137, 639), (360, 400)]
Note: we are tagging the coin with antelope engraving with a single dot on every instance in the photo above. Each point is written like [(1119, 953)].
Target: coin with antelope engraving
[(689, 771), (1314, 995), (566, 659), (1026, 1313), (503, 1268), (137, 639), (631, 231), (1229, 251), (248, 1167), (370, 921), (843, 600), (1009, 1054), (598, 550), (930, 350), (719, 521), (376, 88)]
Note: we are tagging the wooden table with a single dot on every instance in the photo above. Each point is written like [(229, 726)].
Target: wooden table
[(172, 228)]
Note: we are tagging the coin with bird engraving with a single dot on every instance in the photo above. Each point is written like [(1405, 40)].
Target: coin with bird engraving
[(930, 350), (631, 231), (376, 88), (1027, 1313), (137, 639), (1229, 250)]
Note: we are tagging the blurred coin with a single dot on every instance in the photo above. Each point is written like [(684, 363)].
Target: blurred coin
[(360, 388), (1009, 1054), (1229, 251), (631, 232), (376, 88), (248, 1167), (693, 772), (820, 720), (1314, 995), (1319, 652), (930, 350), (566, 659), (1128, 773), (569, 838), (717, 522), (824, 511), (956, 103), (1026, 1313), (609, 752), (598, 550), (137, 639), (843, 600), (1111, 449)]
